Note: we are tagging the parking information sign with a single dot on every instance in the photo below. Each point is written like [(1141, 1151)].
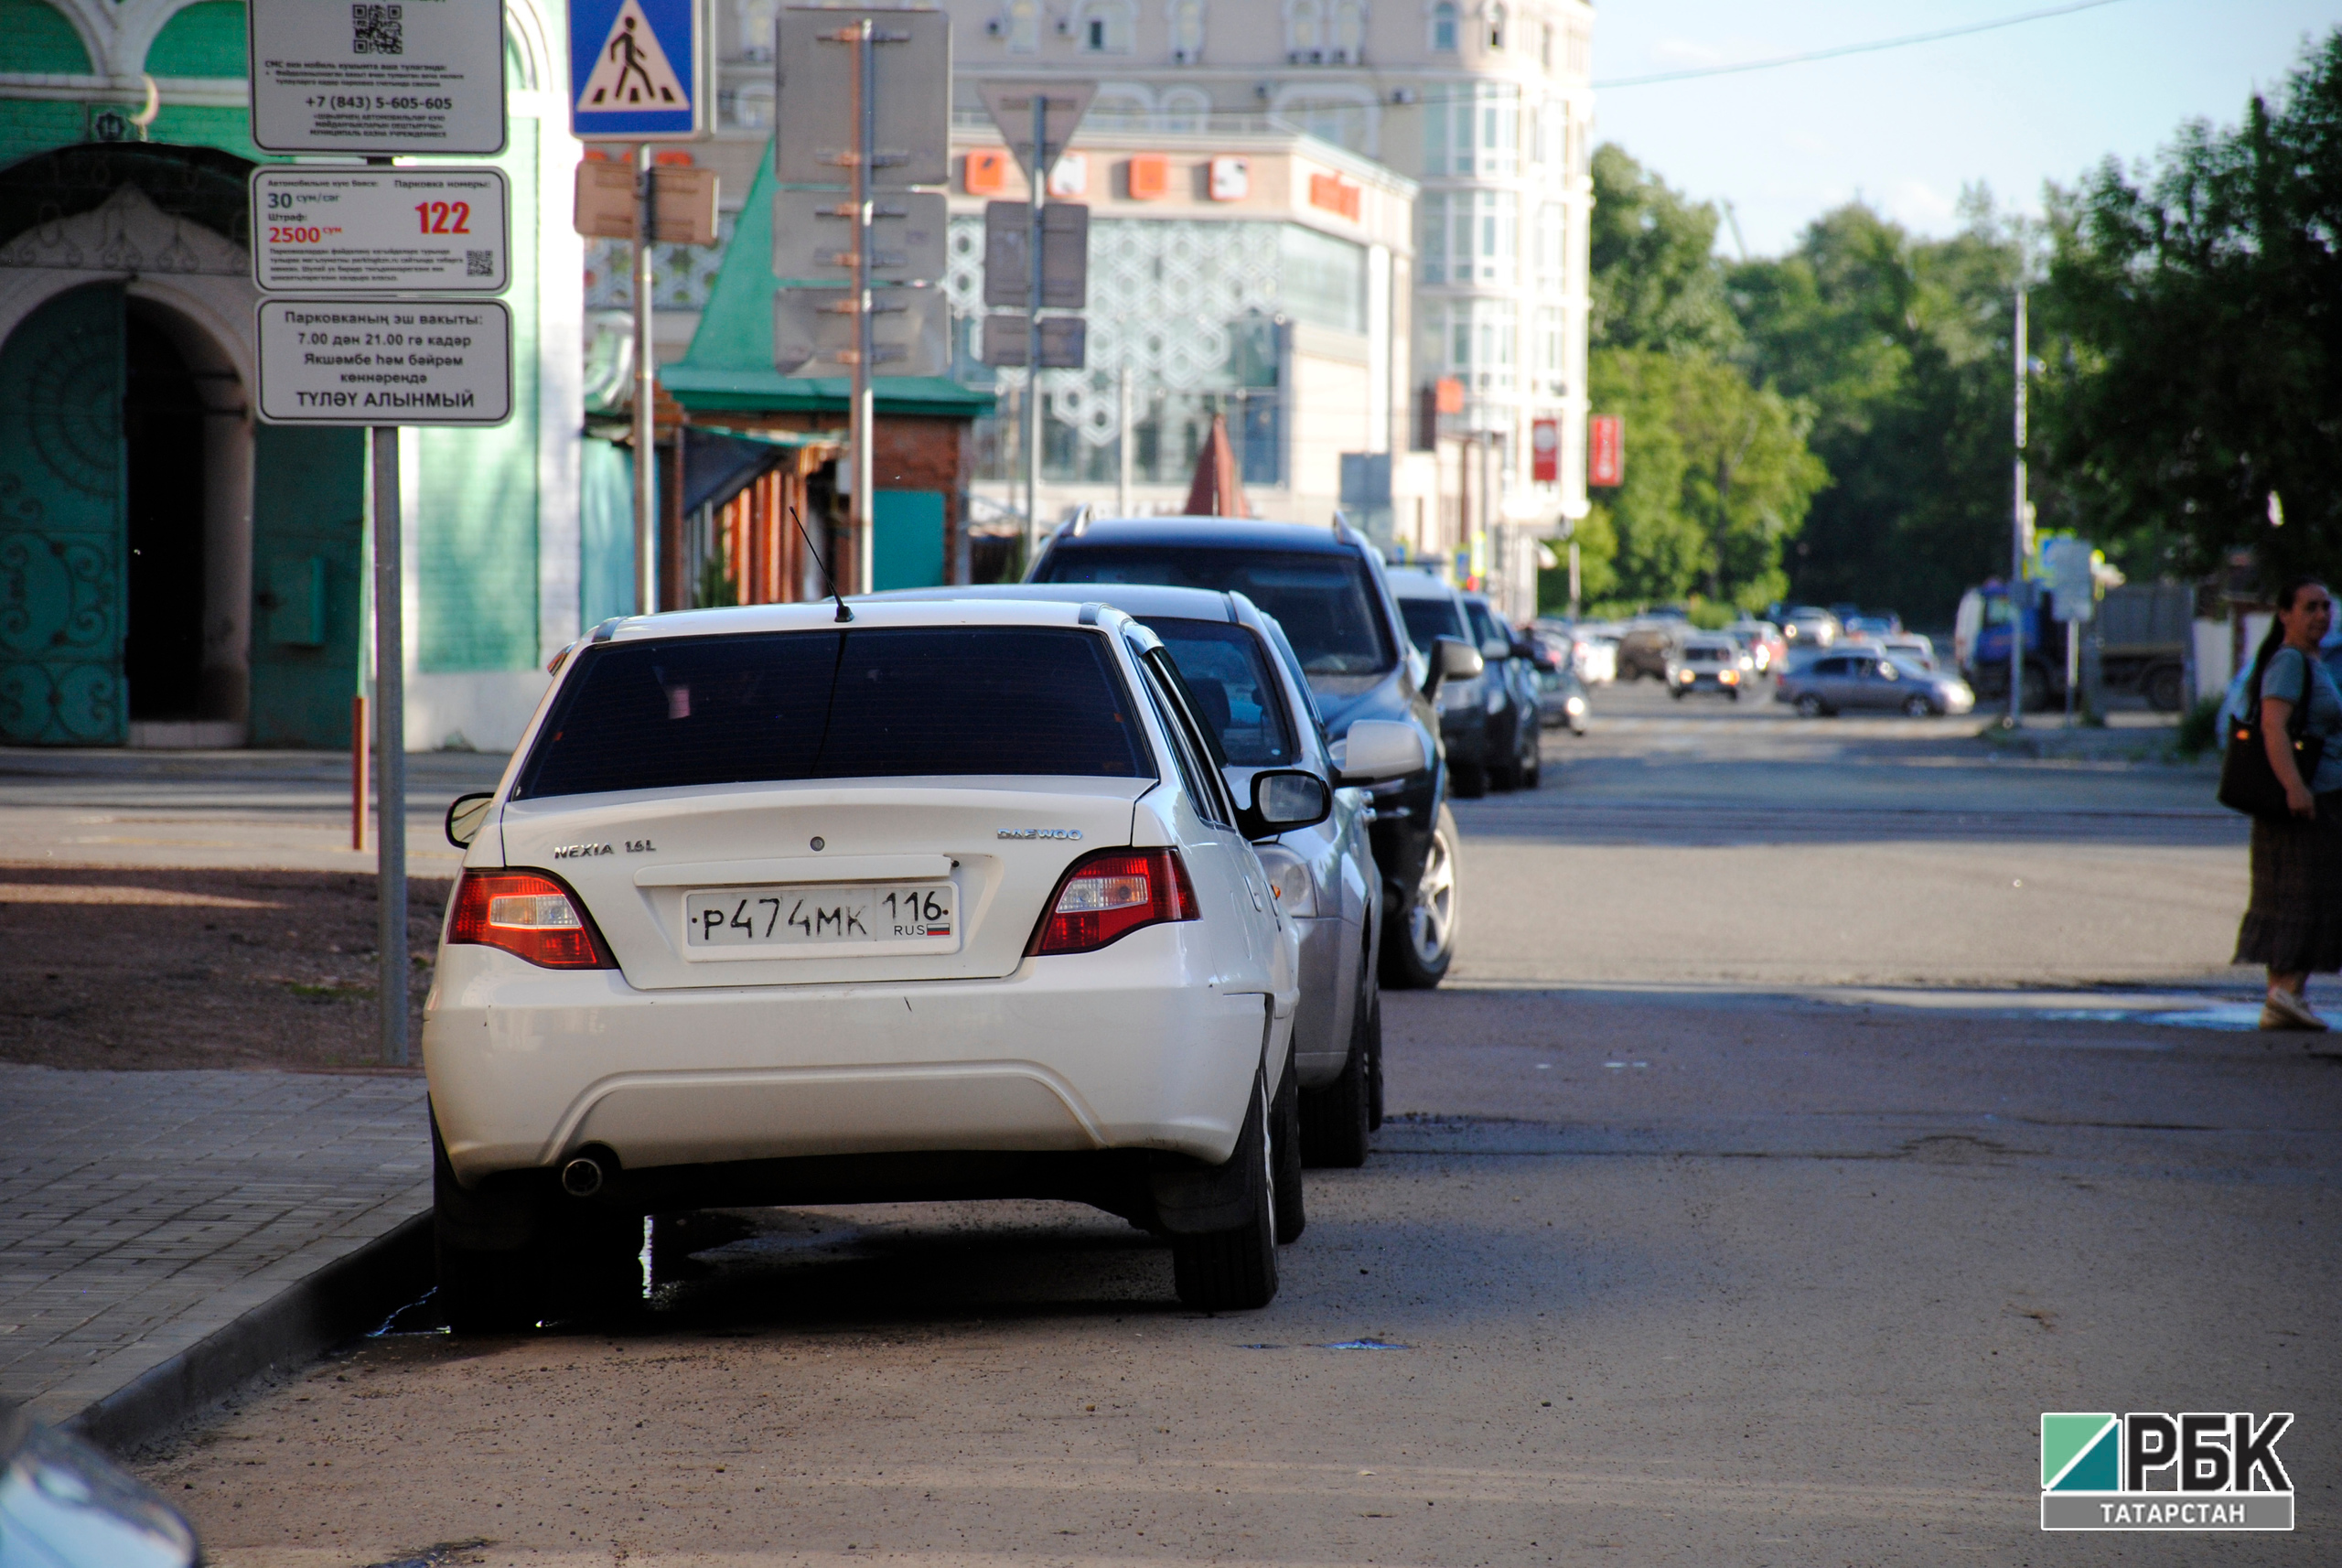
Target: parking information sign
[(403, 230), (397, 77), (638, 69), (373, 362)]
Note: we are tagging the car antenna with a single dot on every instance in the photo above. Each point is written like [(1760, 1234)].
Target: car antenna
[(843, 613)]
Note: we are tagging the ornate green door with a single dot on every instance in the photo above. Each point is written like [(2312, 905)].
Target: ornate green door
[(62, 532)]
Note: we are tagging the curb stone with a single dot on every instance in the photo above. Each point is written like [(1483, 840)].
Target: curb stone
[(336, 1302)]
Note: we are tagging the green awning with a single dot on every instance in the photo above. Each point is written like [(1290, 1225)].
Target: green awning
[(730, 367)]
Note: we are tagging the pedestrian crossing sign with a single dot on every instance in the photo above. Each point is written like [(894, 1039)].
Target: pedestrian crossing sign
[(637, 69)]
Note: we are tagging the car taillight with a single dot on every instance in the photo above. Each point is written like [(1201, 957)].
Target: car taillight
[(1112, 894), (529, 915)]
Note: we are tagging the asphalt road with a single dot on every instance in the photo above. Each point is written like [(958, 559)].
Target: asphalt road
[(1762, 1177)]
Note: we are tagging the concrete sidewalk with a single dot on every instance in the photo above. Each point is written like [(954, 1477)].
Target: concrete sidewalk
[(164, 1235)]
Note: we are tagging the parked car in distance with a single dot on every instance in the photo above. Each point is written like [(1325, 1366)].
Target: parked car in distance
[(1884, 624), (1256, 703), (1763, 640), (1560, 695), (1910, 648), (1590, 649), (1709, 662), (936, 901), (1648, 646), (1841, 680), (1329, 592), (1807, 627), (1434, 613), (1515, 761)]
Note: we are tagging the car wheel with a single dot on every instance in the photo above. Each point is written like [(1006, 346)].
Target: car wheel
[(1236, 1270), (1734, 693), (1467, 780), (1918, 707), (1677, 693), (1810, 707), (1373, 1061), (2035, 690), (1285, 1144), (1418, 960), (1334, 1119), (2165, 686), (488, 1266), (1532, 767)]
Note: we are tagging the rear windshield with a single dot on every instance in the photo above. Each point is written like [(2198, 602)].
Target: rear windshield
[(1428, 619), (1228, 674), (852, 703), (1325, 603)]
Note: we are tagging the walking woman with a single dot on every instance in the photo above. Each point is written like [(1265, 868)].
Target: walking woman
[(2294, 922)]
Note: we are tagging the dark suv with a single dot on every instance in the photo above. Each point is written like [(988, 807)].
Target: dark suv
[(1326, 586)]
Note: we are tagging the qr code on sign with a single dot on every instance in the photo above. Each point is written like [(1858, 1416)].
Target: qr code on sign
[(480, 263), (376, 30)]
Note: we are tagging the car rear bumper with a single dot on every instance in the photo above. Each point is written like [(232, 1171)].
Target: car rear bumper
[(1129, 1047)]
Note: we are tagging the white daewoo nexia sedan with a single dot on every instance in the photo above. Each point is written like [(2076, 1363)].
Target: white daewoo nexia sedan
[(938, 901)]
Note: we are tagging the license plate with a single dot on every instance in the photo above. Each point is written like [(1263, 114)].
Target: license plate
[(821, 914)]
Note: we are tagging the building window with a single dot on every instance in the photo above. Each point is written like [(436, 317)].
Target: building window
[(1551, 326), (1552, 271), (1320, 279), (1121, 107), (752, 106), (1185, 109), (1024, 25), (1469, 237), (755, 29), (1496, 28), (1187, 18), (1443, 27), (1472, 129), (1304, 30), (1104, 26), (1349, 32), (1345, 120), (1545, 45)]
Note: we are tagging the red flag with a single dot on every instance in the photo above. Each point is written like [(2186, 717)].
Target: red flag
[(1605, 450)]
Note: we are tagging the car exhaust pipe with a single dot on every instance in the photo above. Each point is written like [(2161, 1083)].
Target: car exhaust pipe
[(583, 1176)]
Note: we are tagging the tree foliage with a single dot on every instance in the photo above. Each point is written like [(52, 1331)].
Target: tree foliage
[(1655, 280), (1902, 349), (2196, 360)]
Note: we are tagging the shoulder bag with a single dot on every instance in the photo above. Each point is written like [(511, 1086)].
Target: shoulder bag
[(2248, 783)]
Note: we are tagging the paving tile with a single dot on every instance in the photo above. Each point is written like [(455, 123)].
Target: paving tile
[(132, 1203)]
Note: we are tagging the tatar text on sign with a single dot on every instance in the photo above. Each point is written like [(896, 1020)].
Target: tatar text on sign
[(370, 361)]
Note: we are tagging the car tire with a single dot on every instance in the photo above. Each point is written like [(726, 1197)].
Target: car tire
[(1373, 1061), (1236, 1270), (1918, 708), (1810, 707), (1532, 768), (2033, 691), (2165, 688), (483, 1288), (1734, 693), (1677, 693), (1334, 1120), (1467, 780), (1425, 940), (1284, 1133)]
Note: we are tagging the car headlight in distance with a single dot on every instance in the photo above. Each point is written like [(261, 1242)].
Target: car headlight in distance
[(1289, 879), (1685, 676), (1574, 705), (1730, 677)]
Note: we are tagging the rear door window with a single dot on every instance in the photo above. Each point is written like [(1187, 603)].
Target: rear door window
[(1191, 751), (1326, 602), (1228, 673), (1428, 619), (857, 703)]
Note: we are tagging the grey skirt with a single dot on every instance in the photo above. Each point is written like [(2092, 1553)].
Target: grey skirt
[(2294, 922)]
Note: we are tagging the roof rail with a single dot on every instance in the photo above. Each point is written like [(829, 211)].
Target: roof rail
[(1079, 524)]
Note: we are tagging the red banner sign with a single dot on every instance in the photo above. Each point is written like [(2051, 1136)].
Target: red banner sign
[(1545, 451), (1605, 450)]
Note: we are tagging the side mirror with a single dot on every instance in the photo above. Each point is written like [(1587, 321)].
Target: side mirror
[(466, 816), (1380, 748), (1285, 798), (1452, 659)]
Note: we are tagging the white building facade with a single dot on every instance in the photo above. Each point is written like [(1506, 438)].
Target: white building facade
[(1488, 106)]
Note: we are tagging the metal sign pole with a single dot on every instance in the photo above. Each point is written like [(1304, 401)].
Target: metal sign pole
[(389, 750), (865, 121), (2017, 536), (1037, 197), (646, 393)]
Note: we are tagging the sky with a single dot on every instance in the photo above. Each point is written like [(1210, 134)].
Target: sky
[(1905, 129)]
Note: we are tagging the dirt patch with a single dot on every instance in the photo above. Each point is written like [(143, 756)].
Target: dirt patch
[(145, 970)]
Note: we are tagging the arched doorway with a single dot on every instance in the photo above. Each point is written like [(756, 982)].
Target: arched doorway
[(171, 572)]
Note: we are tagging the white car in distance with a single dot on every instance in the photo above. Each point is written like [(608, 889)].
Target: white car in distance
[(893, 902)]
